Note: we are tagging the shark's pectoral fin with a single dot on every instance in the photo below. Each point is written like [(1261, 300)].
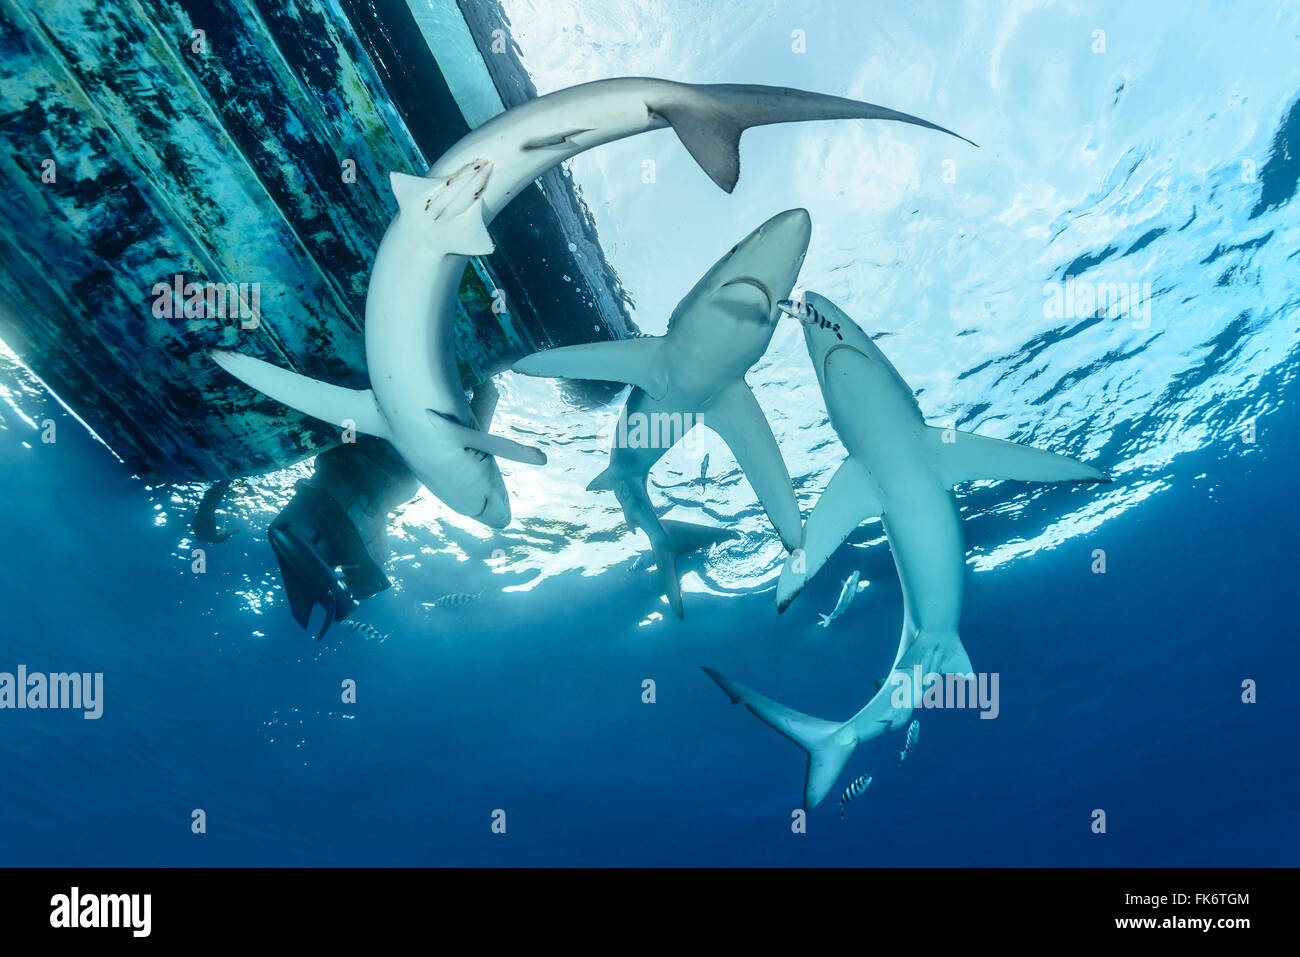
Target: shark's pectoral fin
[(849, 500), (738, 418), (564, 138), (639, 362), (967, 457), (346, 408), (486, 442)]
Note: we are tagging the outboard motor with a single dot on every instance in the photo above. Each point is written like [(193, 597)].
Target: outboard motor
[(331, 540)]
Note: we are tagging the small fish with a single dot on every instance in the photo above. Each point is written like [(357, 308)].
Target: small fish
[(364, 630), (205, 517), (455, 598), (704, 469), (847, 594), (913, 733), (809, 316), (855, 789)]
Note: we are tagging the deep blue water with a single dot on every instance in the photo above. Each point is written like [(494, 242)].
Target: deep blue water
[(1118, 691), (1165, 162)]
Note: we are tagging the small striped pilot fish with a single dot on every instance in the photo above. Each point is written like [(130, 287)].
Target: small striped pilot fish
[(855, 789), (455, 598), (363, 629), (913, 733), (808, 315)]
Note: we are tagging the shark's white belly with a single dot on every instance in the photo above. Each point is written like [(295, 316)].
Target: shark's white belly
[(648, 429), (925, 537), (883, 430), (411, 358)]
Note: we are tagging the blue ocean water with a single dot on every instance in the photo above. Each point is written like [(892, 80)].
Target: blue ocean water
[(1119, 691)]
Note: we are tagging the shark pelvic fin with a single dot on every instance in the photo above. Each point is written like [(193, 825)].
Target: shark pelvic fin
[(828, 751), (850, 499), (605, 481), (638, 362), (467, 234), (355, 408), (673, 540), (967, 457), (452, 206), (738, 418)]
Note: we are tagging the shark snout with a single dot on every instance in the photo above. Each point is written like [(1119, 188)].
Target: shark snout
[(790, 231), (496, 510), (769, 258)]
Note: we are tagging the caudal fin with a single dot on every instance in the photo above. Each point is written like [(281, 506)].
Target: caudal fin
[(710, 125), (828, 743), (678, 538)]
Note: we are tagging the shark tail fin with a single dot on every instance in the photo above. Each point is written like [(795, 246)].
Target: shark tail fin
[(825, 619), (828, 751), (677, 539), (709, 124)]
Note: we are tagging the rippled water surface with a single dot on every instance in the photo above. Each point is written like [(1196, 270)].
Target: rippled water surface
[(1146, 147)]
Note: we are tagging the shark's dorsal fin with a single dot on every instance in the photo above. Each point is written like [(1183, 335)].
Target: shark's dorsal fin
[(486, 442), (713, 140), (967, 457), (345, 408), (849, 500), (638, 362)]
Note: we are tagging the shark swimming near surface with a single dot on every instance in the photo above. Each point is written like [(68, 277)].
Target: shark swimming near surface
[(695, 373), (902, 471), (416, 401)]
